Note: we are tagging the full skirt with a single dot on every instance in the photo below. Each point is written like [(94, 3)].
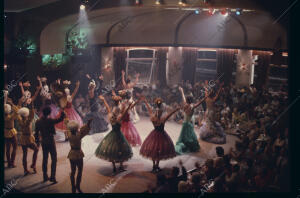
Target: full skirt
[(99, 124), (213, 133), (71, 114), (131, 134), (187, 141), (114, 147), (158, 146)]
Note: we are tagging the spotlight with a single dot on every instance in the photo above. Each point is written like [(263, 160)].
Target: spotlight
[(238, 11), (84, 4), (197, 11), (211, 11), (82, 7), (224, 12), (182, 2), (157, 2)]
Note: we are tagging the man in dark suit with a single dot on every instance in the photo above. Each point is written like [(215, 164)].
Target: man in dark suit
[(174, 179), (45, 129)]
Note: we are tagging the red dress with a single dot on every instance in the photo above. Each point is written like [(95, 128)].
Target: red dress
[(158, 145), (130, 132), (71, 114)]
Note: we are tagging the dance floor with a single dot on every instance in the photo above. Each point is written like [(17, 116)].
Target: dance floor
[(97, 174)]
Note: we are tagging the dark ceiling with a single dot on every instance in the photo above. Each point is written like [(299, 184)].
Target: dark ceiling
[(23, 5)]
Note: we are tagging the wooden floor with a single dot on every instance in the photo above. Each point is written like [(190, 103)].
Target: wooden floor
[(97, 174)]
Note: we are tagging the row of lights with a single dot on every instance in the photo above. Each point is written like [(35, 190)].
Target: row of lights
[(224, 12), (158, 2), (211, 11)]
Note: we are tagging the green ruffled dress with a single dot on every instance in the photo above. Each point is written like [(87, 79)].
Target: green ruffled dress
[(187, 141), (114, 146)]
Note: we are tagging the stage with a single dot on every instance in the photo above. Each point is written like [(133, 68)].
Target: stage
[(97, 173)]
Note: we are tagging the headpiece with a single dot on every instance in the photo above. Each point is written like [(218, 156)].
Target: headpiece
[(24, 111)]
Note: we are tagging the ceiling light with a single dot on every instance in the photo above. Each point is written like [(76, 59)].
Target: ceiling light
[(238, 11), (82, 7)]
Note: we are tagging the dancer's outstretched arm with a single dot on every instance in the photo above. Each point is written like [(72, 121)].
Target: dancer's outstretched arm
[(21, 101), (113, 93), (40, 82), (92, 92), (123, 79), (31, 113), (147, 105), (170, 114), (75, 90), (21, 87), (105, 103), (37, 91), (182, 94), (84, 130), (136, 102), (217, 95), (136, 80), (199, 103), (126, 110)]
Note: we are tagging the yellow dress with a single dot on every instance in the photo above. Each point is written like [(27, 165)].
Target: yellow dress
[(26, 137), (9, 127)]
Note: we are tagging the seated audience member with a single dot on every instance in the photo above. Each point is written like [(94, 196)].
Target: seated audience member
[(219, 161), (232, 178), (184, 187), (161, 184), (175, 178), (196, 183), (209, 169)]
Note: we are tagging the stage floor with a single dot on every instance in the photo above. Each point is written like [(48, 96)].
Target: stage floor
[(97, 173)]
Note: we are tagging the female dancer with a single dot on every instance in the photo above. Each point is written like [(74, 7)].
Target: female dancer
[(47, 99), (27, 139), (98, 124), (158, 145), (114, 147), (187, 141), (76, 155), (212, 131), (98, 79), (65, 102), (127, 126), (27, 99), (10, 133), (129, 86)]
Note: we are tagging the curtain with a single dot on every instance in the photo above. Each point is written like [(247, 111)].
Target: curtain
[(225, 64), (119, 64), (161, 65), (189, 64), (262, 69)]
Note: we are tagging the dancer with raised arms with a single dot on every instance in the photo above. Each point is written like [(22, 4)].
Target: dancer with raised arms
[(114, 147), (158, 145), (187, 141)]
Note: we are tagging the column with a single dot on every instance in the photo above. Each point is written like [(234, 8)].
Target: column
[(244, 68)]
